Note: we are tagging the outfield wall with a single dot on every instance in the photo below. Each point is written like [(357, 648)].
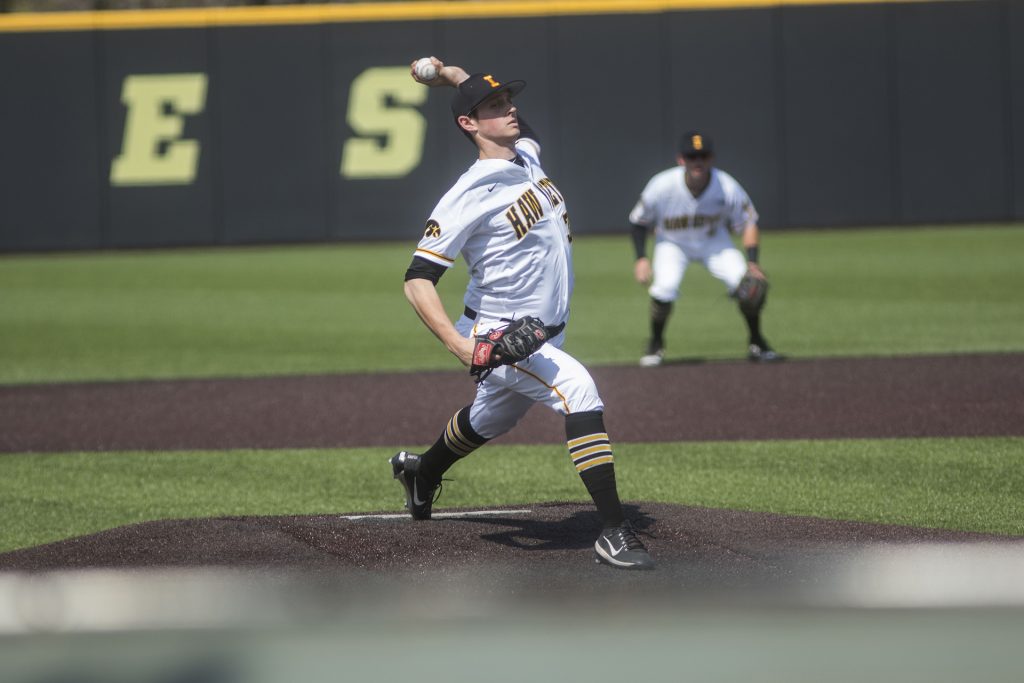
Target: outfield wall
[(300, 123)]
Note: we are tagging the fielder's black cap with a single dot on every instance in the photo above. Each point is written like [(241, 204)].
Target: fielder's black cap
[(477, 88), (695, 143)]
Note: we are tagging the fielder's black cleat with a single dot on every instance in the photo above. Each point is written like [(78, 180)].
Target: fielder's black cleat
[(619, 547), (419, 493), (762, 353)]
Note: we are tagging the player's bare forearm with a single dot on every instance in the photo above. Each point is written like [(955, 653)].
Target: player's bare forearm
[(751, 236), (453, 75), (642, 270), (427, 304)]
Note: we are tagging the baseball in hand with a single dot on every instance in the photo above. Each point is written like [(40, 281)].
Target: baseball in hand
[(425, 69)]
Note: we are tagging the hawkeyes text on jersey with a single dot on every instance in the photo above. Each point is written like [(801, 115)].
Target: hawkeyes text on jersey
[(486, 218), (667, 205), (528, 209)]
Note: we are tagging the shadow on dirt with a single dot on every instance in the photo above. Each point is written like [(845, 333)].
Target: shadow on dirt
[(575, 532)]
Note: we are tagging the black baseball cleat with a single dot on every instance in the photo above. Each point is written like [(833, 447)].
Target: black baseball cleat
[(762, 353), (419, 493), (619, 547)]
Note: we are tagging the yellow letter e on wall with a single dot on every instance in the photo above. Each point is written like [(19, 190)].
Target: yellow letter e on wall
[(153, 152)]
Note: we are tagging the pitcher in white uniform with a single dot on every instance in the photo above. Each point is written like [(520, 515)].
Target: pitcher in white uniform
[(509, 223), (692, 209)]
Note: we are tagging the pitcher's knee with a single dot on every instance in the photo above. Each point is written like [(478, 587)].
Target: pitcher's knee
[(581, 397)]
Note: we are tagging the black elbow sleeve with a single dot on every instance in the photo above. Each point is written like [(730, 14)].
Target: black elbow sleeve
[(639, 235), (422, 269)]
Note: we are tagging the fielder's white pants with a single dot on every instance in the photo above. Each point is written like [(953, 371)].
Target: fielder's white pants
[(550, 376), (671, 257)]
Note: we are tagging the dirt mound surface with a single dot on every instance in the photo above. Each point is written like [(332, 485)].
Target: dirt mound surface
[(550, 544)]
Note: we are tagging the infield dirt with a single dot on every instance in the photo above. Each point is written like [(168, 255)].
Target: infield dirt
[(813, 399)]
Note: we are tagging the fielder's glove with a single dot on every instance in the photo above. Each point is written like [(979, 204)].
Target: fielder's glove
[(751, 293), (510, 344)]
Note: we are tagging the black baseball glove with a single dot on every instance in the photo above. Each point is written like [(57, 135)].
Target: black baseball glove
[(512, 343), (751, 293)]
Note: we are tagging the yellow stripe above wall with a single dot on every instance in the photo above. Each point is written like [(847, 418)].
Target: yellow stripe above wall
[(119, 20)]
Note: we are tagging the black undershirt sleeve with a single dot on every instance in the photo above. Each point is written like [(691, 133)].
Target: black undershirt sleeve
[(639, 234), (422, 269)]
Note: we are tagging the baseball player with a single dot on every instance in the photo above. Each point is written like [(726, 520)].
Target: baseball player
[(692, 208), (510, 224)]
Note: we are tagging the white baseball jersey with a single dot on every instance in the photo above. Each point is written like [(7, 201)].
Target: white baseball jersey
[(667, 205), (511, 226), (693, 229)]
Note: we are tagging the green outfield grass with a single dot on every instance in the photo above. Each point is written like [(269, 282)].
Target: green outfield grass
[(965, 484), (281, 310)]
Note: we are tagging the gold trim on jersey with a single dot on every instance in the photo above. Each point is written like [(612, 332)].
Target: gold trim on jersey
[(427, 10), (435, 254)]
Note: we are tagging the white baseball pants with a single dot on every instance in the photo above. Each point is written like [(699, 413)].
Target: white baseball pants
[(550, 376), (717, 253)]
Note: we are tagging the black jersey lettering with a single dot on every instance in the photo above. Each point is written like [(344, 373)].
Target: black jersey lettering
[(527, 210), (534, 203), (550, 191), (517, 223), (525, 213), (677, 222)]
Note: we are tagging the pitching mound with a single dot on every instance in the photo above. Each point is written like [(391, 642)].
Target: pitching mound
[(549, 543), (552, 543)]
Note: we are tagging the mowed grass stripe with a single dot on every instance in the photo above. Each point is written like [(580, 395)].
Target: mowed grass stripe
[(234, 312), (960, 484)]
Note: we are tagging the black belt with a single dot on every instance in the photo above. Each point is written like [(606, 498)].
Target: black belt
[(471, 314)]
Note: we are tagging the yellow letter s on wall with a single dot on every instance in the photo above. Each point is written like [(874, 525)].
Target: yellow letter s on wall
[(402, 128)]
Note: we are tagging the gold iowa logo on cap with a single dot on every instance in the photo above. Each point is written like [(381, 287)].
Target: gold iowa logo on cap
[(490, 79), (698, 142), (432, 229)]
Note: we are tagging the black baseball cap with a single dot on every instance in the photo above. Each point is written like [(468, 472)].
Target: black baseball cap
[(694, 143), (474, 90)]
